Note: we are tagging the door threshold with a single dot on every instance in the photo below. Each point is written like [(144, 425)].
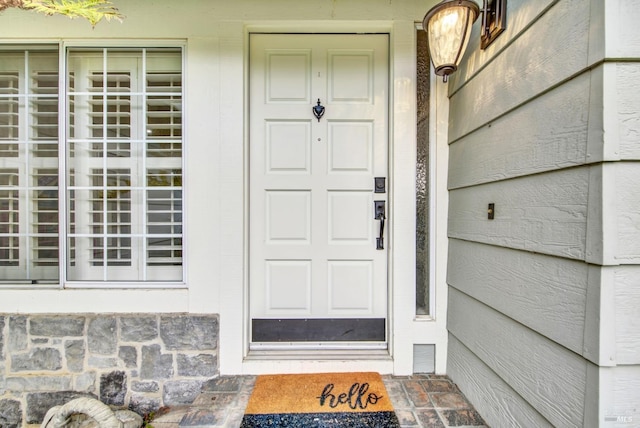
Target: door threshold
[(316, 354), (318, 346)]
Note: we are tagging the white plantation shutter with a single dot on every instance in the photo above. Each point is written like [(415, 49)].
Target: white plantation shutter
[(164, 169), (45, 147), (164, 217), (111, 214), (9, 218), (45, 214), (9, 112), (9, 177), (164, 114), (29, 240), (123, 200), (127, 163), (45, 112)]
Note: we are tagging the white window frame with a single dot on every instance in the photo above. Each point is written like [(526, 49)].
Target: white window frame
[(63, 282)]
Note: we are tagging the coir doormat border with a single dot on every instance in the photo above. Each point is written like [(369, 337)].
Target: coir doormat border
[(354, 400)]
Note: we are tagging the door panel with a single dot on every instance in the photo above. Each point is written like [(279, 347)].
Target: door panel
[(351, 76), (288, 217), (349, 217), (350, 147), (350, 286), (312, 233), (288, 285), (288, 75), (287, 147)]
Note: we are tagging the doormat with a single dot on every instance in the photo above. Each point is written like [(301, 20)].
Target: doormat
[(354, 400)]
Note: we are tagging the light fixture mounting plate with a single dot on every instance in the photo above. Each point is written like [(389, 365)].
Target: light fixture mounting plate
[(494, 21)]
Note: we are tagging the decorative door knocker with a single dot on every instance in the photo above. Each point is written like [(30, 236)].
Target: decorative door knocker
[(318, 111)]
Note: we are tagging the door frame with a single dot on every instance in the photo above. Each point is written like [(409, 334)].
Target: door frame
[(405, 329)]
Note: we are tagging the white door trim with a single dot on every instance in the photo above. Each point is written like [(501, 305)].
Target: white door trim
[(405, 329)]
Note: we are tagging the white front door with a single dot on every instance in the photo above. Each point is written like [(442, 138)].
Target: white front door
[(318, 268)]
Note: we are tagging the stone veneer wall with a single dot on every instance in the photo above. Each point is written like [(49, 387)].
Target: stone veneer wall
[(140, 361)]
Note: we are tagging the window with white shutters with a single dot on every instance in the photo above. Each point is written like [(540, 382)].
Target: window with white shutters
[(29, 215), (127, 165), (121, 208)]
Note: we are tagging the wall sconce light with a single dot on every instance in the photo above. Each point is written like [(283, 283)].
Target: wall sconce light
[(448, 26)]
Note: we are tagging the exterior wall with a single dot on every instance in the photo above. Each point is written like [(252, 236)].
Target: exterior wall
[(543, 300), (141, 362)]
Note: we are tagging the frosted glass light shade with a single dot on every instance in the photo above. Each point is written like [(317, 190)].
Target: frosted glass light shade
[(448, 26)]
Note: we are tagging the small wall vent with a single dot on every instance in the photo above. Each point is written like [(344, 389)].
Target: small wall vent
[(424, 358)]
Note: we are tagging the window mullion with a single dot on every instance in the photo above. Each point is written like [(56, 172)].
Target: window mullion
[(105, 190), (64, 117), (23, 177)]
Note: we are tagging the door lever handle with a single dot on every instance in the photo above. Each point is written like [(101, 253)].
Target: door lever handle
[(379, 214)]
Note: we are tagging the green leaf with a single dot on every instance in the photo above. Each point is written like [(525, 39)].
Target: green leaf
[(92, 10)]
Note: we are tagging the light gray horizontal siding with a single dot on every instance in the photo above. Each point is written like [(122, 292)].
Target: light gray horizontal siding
[(549, 133), (540, 292), (543, 300), (544, 213), (499, 405), (554, 48), (526, 11), (550, 377)]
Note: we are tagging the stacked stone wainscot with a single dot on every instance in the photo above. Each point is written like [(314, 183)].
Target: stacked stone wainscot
[(137, 362)]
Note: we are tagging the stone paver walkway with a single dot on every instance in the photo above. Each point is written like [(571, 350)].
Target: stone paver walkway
[(420, 401)]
